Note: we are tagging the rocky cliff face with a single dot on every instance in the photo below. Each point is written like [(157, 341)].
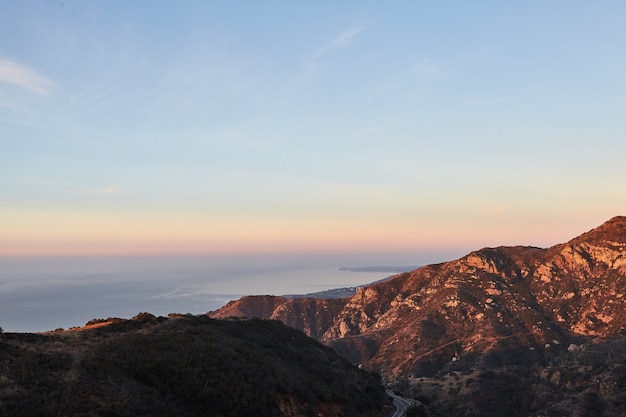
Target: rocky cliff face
[(311, 315), (495, 305)]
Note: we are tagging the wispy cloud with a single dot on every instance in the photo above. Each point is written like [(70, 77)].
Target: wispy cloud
[(104, 191), (24, 77), (110, 191), (417, 75), (344, 39), (428, 67)]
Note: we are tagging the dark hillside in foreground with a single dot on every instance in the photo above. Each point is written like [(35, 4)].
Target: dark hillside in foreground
[(185, 366)]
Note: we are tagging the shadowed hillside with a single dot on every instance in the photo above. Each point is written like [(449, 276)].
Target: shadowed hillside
[(185, 366)]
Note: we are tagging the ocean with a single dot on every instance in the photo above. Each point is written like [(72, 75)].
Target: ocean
[(44, 293)]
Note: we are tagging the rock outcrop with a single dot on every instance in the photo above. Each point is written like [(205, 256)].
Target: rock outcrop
[(495, 305), (311, 315)]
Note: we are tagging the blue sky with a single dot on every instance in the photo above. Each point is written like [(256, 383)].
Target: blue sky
[(258, 126)]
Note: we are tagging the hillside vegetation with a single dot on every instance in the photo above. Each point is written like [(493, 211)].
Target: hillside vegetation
[(183, 366)]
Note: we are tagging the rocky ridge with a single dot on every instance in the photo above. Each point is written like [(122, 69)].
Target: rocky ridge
[(505, 304)]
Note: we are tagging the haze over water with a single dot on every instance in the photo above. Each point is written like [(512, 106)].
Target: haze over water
[(44, 293)]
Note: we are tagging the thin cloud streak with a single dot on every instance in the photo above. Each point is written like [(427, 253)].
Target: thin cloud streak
[(105, 191), (24, 77), (344, 39), (423, 73)]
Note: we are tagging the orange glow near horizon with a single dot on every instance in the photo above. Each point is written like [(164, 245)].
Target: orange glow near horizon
[(63, 233)]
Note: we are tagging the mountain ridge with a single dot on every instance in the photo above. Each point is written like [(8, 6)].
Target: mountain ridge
[(519, 331), (488, 300)]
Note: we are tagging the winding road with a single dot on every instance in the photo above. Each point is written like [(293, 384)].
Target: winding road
[(400, 403)]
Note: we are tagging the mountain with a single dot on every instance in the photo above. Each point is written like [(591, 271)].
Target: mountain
[(495, 308), (181, 366), (313, 316)]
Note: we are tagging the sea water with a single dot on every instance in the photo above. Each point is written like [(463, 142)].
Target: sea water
[(45, 293)]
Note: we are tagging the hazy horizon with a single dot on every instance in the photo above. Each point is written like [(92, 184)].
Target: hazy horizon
[(40, 293)]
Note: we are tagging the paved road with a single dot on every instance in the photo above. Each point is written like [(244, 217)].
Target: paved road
[(400, 403)]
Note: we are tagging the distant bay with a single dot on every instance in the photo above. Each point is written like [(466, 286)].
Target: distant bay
[(44, 293)]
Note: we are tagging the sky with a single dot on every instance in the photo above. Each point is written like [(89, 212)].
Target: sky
[(210, 127)]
